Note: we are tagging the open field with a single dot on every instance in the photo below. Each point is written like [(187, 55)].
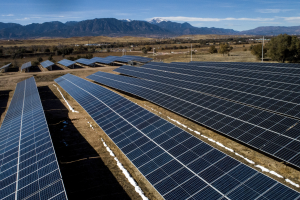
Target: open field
[(72, 40), (88, 171), (202, 37), (175, 55), (103, 39)]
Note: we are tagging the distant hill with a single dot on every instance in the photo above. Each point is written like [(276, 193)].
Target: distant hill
[(188, 29), (8, 25), (273, 30), (157, 21), (95, 27), (125, 27)]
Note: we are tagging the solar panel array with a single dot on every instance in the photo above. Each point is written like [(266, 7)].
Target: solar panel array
[(106, 60), (5, 66), (287, 84), (84, 61), (111, 59), (275, 100), (47, 63), (177, 164), (28, 165), (274, 134), (26, 65), (282, 82), (66, 62), (138, 58), (279, 68)]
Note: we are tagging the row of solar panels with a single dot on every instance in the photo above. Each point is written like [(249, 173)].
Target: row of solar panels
[(177, 164), (106, 60), (269, 132), (28, 164), (111, 59), (45, 64), (236, 105), (277, 68)]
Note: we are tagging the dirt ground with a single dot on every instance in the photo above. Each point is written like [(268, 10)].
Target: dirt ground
[(88, 171)]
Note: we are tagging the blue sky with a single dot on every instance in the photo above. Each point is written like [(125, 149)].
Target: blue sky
[(232, 14)]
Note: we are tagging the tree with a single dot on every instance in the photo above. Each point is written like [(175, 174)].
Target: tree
[(148, 48), (257, 50), (89, 56), (39, 59), (50, 57), (212, 49), (53, 48), (225, 48), (284, 48), (35, 63), (144, 50)]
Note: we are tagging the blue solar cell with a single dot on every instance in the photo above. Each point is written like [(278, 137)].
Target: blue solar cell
[(47, 63), (26, 65), (207, 193)]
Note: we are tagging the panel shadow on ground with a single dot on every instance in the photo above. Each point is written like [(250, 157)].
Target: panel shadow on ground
[(84, 173), (34, 69), (4, 96), (56, 67)]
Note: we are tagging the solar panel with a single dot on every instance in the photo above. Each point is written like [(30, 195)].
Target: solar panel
[(138, 58), (279, 68), (47, 63), (28, 164), (281, 82), (274, 134), (26, 65), (5, 66), (103, 60), (84, 61), (66, 62), (283, 102), (126, 59), (177, 164)]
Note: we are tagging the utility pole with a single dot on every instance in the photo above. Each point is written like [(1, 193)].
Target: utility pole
[(191, 52), (262, 53)]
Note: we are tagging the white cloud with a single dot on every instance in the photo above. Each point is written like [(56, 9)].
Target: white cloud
[(272, 10), (291, 18), (25, 18), (197, 19), (9, 15)]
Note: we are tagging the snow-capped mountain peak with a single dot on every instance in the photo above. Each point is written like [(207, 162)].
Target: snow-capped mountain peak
[(126, 20), (157, 20)]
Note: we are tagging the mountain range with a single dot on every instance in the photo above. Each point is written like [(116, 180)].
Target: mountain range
[(113, 27)]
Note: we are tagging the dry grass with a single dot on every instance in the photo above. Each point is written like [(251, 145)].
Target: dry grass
[(213, 36), (235, 56), (72, 40)]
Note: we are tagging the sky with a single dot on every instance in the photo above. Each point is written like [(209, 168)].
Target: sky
[(231, 14)]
